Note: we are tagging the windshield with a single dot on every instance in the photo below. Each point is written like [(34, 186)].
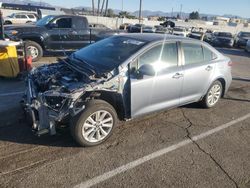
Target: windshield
[(11, 16), (246, 34), (109, 53), (44, 21)]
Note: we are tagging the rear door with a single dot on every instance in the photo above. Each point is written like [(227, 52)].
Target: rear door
[(153, 93), (198, 70)]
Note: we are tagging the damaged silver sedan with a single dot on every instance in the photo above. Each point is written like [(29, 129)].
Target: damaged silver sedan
[(123, 77)]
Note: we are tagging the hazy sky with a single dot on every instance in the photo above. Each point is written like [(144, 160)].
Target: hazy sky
[(235, 7)]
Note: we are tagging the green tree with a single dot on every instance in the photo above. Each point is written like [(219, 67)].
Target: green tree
[(194, 15), (124, 14), (110, 13), (161, 19)]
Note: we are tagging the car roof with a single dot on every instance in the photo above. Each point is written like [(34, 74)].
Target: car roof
[(152, 37)]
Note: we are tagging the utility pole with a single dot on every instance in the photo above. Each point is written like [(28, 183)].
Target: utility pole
[(1, 25), (140, 14), (181, 11), (122, 6), (172, 13)]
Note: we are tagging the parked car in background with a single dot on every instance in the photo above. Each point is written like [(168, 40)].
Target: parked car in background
[(222, 39), (20, 18), (148, 29), (208, 35), (161, 29), (98, 26), (241, 39), (125, 26), (57, 33), (168, 23), (124, 76), (196, 33), (179, 31), (248, 46), (137, 28)]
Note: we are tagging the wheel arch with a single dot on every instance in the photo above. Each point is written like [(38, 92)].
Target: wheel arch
[(223, 83), (113, 98), (37, 39)]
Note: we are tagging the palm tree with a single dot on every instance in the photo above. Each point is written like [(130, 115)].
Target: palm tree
[(106, 9), (103, 2), (93, 6), (98, 7)]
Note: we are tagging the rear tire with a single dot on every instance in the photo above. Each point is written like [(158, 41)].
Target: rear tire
[(213, 95), (34, 49), (7, 23), (95, 124)]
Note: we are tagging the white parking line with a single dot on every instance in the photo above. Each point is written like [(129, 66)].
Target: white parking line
[(11, 93), (133, 164)]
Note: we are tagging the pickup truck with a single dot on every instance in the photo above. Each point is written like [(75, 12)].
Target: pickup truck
[(56, 33)]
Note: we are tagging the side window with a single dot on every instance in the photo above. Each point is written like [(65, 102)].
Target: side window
[(23, 16), (162, 55), (18, 16), (151, 56), (64, 23), (193, 53), (208, 54), (31, 16), (170, 55)]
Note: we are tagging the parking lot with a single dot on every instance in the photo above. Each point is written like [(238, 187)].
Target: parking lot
[(184, 147)]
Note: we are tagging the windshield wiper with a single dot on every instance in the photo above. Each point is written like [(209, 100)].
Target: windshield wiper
[(91, 68), (73, 68)]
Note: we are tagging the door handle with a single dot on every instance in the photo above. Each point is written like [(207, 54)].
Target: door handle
[(177, 75), (209, 68)]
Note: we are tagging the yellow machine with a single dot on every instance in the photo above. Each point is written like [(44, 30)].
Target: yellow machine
[(9, 66)]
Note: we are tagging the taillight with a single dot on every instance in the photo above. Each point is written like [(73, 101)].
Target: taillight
[(230, 64)]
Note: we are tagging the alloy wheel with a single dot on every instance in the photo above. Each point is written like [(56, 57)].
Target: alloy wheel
[(97, 126), (214, 94), (34, 52)]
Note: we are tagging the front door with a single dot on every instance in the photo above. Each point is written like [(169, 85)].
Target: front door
[(62, 35), (153, 93)]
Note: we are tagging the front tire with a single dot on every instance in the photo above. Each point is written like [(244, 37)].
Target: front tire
[(35, 50), (213, 95), (95, 124)]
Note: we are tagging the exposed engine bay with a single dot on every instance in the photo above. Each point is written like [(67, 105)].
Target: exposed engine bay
[(59, 90)]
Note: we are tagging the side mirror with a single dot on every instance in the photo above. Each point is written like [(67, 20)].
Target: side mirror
[(52, 25), (146, 70)]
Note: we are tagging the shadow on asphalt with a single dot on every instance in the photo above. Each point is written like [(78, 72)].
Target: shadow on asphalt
[(242, 79), (236, 99), (236, 52), (14, 128)]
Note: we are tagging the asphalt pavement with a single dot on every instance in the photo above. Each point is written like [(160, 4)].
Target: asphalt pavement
[(184, 147)]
